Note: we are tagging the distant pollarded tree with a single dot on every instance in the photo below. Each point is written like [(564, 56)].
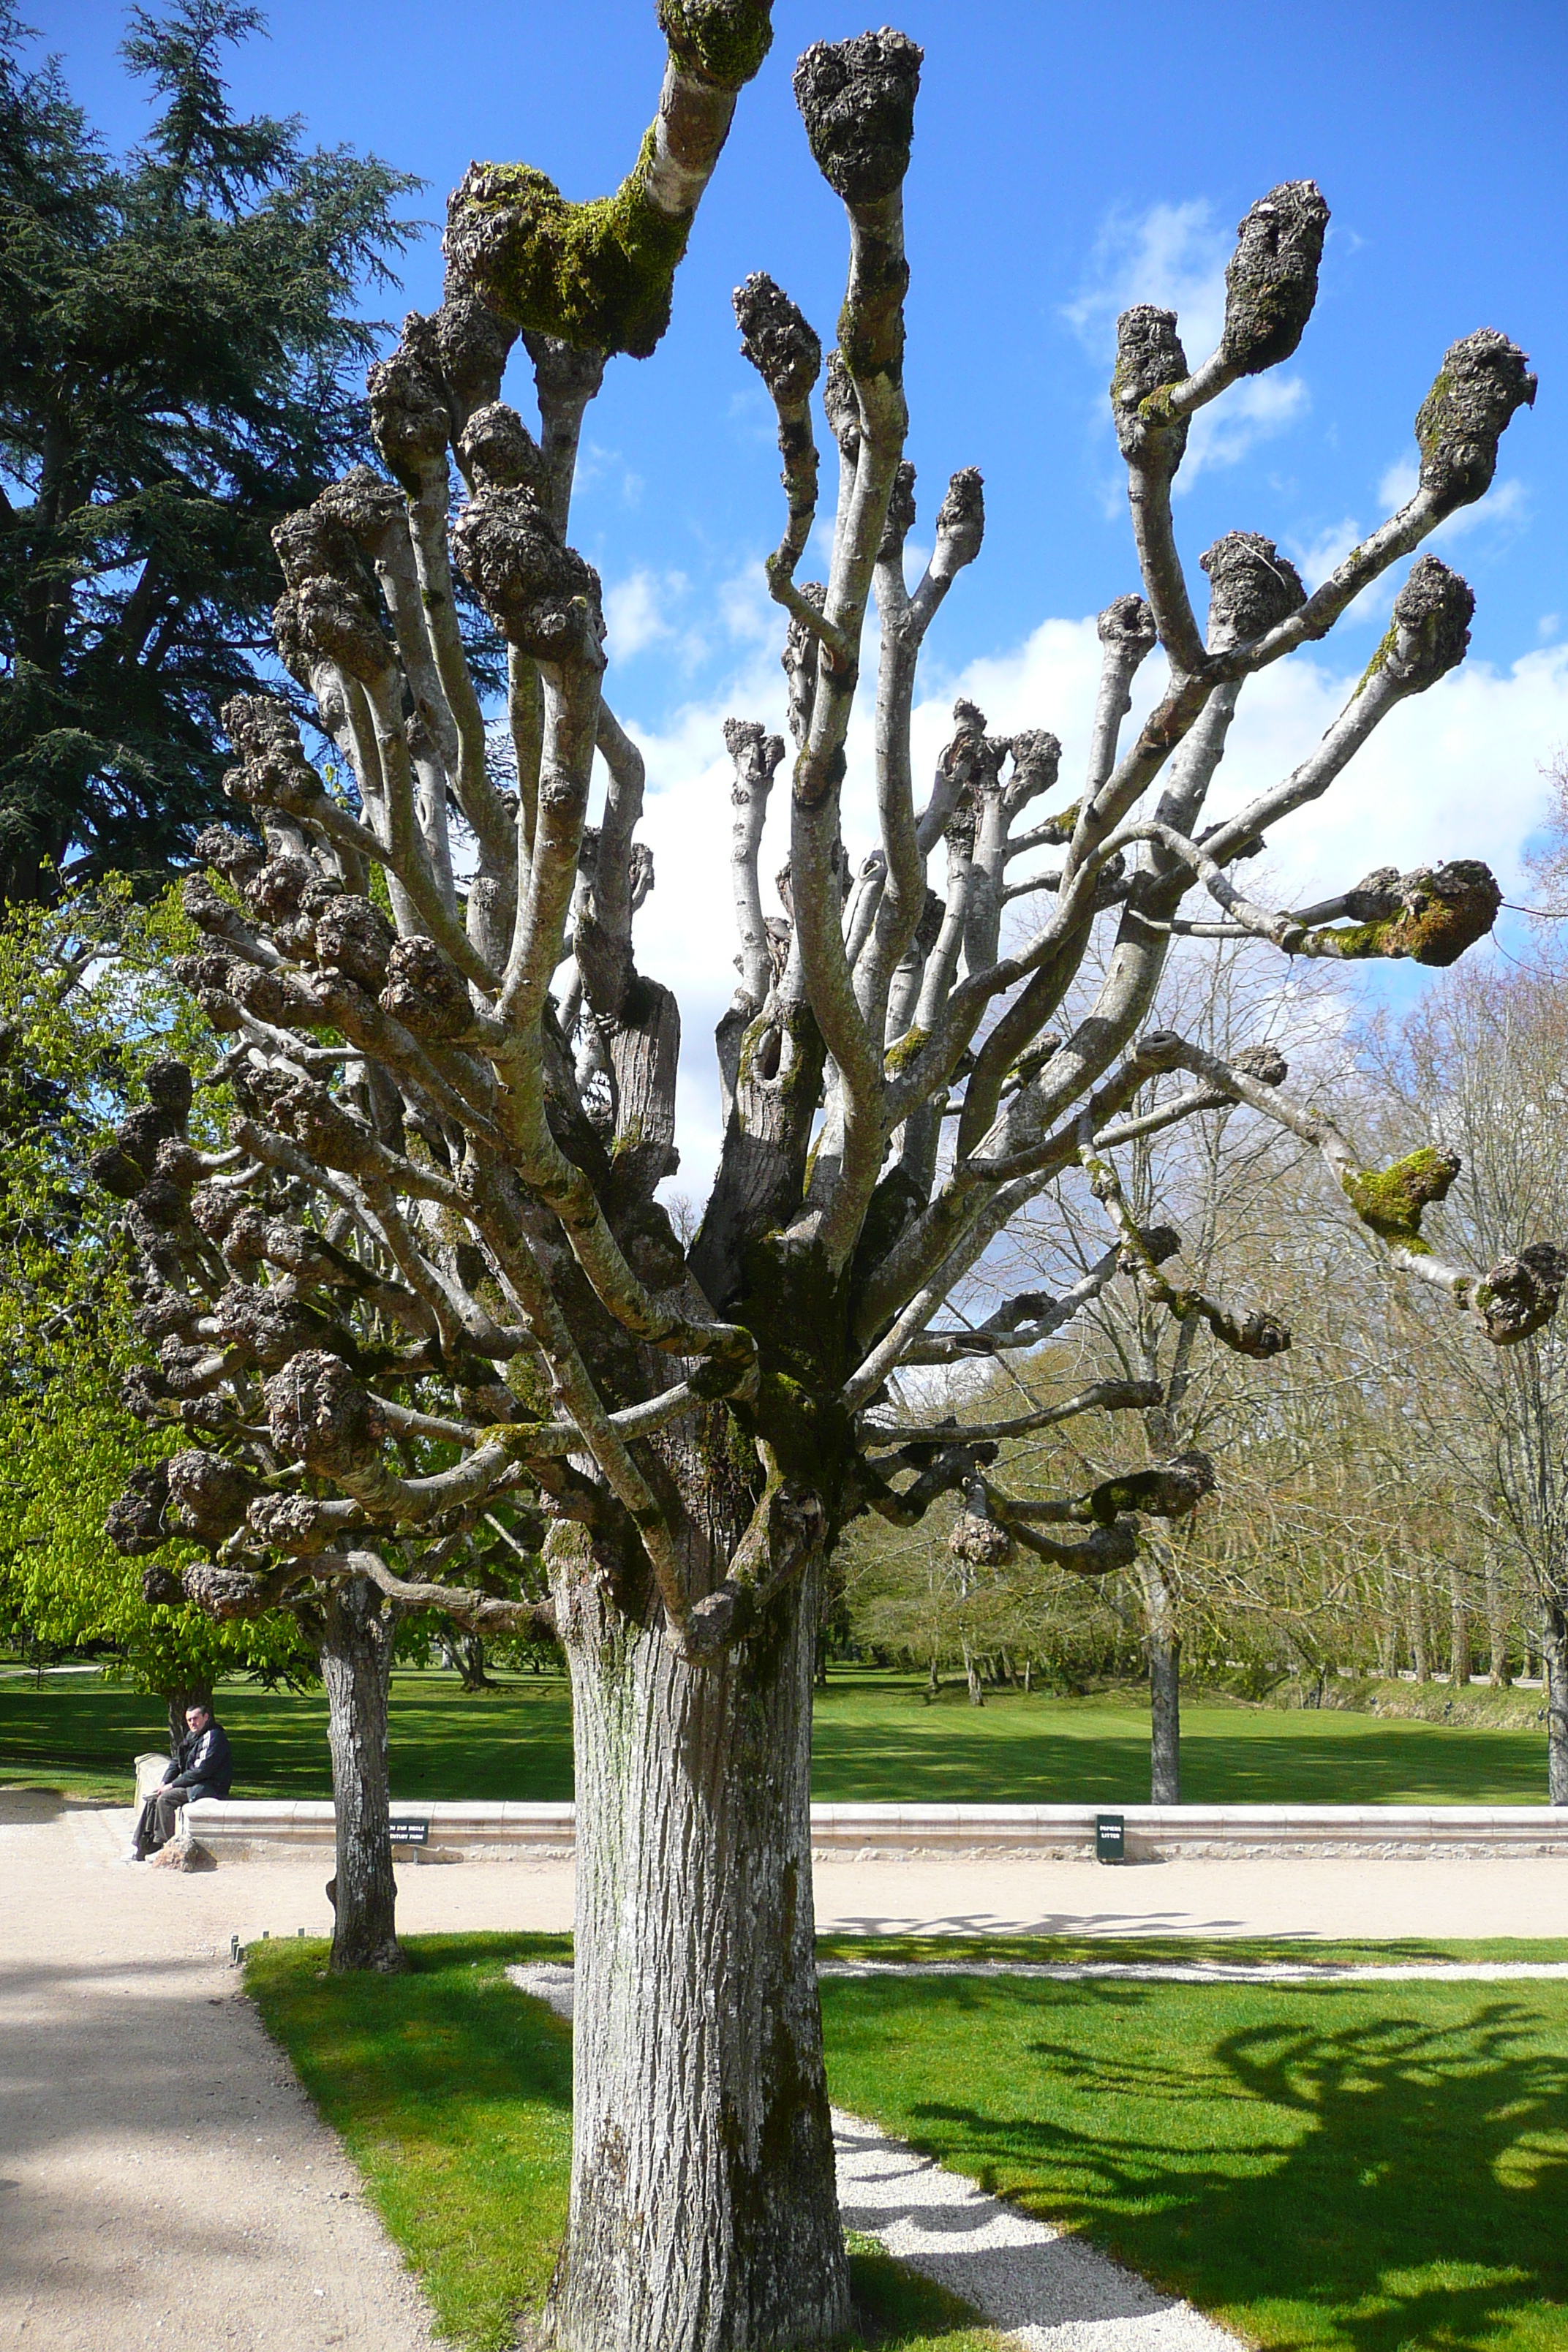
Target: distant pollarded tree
[(475, 1133)]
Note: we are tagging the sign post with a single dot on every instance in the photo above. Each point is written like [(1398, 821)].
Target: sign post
[(409, 1832), (1110, 1838)]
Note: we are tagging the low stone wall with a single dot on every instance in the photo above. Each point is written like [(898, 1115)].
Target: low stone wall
[(1037, 1832)]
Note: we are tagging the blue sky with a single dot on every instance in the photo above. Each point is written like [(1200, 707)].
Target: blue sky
[(1067, 162)]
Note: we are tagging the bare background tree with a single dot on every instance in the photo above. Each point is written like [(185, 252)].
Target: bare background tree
[(1483, 1061), (478, 1154)]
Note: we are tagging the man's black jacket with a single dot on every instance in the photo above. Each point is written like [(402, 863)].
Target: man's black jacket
[(201, 1761)]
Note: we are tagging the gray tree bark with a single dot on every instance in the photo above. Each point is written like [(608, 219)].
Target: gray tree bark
[(1419, 1656), (1501, 1674), (356, 1668), (703, 2212), (1459, 1632), (1554, 1668), (1165, 1643), (1165, 1718)]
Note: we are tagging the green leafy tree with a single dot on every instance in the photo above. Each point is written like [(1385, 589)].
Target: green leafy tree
[(181, 367), (86, 1008)]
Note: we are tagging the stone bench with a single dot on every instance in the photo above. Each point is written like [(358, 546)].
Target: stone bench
[(236, 1827)]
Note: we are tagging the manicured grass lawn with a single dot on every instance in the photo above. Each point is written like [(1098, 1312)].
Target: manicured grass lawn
[(1361, 2170), (875, 1742), (453, 2094), (1368, 2169)]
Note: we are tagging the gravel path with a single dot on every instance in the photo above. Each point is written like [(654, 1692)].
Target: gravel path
[(1050, 2290), (163, 2178)]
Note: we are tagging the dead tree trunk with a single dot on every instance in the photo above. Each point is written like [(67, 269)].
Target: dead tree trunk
[(356, 1668), (696, 1996)]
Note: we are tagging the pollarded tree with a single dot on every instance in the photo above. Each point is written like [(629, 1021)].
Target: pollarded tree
[(703, 1422)]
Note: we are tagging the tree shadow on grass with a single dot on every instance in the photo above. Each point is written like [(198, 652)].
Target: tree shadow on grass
[(1376, 2185)]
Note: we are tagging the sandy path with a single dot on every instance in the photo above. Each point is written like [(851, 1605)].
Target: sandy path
[(163, 2179), (162, 2175)]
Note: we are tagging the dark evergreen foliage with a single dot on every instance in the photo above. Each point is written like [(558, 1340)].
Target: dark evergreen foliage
[(181, 368)]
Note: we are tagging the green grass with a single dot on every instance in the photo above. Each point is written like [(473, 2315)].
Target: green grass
[(875, 1742), (453, 2095), (1369, 2170), (1338, 2169), (1257, 1951)]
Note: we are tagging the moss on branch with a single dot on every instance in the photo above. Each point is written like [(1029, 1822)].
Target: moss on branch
[(1389, 1201)]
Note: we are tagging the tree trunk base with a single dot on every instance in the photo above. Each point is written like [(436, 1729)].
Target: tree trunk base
[(704, 2214), (356, 1668)]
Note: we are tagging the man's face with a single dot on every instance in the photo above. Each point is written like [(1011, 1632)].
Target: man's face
[(196, 1718)]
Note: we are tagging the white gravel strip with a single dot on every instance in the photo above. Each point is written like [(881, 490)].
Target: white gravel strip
[(1050, 2291), (1319, 1972)]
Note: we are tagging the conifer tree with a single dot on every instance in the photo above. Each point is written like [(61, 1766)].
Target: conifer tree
[(182, 366)]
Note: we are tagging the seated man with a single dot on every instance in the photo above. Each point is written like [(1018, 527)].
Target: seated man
[(201, 1766)]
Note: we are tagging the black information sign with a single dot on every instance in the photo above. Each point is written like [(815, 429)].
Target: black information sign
[(1109, 1840), (410, 1833)]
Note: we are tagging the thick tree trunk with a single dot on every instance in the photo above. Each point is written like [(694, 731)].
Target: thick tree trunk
[(1165, 1719), (1388, 1631), (356, 1668), (464, 1653), (1554, 1668), (1165, 1684), (971, 1676), (704, 2216)]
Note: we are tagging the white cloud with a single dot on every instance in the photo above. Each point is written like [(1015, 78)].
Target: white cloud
[(646, 609), (1453, 772), (1174, 256), (634, 615), (1248, 412), (1317, 558)]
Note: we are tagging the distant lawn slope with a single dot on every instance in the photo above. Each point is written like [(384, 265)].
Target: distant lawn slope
[(876, 1741)]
